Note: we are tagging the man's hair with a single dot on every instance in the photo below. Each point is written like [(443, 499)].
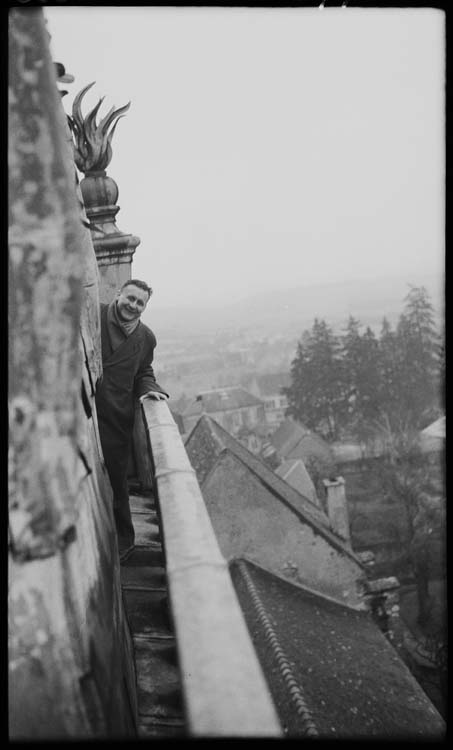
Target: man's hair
[(141, 285)]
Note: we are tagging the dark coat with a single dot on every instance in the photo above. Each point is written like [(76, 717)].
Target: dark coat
[(127, 374)]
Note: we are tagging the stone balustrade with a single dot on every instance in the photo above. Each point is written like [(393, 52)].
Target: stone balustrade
[(224, 688)]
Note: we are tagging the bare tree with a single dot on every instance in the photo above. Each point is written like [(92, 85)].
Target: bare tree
[(407, 477)]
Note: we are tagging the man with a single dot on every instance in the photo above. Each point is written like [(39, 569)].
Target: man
[(127, 354)]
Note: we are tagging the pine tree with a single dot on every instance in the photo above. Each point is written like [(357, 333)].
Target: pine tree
[(316, 395), (408, 479), (352, 358), (369, 381), (361, 377), (389, 367), (442, 373), (418, 365), (296, 392)]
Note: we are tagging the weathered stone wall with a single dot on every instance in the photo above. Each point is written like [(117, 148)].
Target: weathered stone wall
[(71, 660), (249, 521), (70, 655)]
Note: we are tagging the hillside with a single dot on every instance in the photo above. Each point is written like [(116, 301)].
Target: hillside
[(289, 311)]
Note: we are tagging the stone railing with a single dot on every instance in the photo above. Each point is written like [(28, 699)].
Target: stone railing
[(224, 689)]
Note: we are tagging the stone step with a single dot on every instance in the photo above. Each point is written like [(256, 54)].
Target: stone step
[(145, 556), (155, 636), (143, 577), (146, 529), (141, 504), (166, 728), (144, 589), (136, 488), (147, 612), (158, 682)]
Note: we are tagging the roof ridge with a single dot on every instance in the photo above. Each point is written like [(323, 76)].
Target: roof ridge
[(206, 419), (360, 610), (295, 689), (302, 513), (324, 531), (253, 457), (270, 480), (291, 468)]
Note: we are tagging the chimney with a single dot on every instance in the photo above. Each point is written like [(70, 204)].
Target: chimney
[(92, 153), (337, 508)]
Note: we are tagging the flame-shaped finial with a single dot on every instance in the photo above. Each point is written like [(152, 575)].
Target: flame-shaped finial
[(92, 141)]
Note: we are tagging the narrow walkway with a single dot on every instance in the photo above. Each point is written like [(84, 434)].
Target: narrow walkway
[(143, 579)]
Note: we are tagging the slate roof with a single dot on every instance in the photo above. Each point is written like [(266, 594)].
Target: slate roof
[(288, 435), (293, 440), (331, 671), (208, 441), (221, 399), (294, 472)]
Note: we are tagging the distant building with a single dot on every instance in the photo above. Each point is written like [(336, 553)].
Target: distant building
[(248, 437), (268, 387), (233, 407), (432, 438), (293, 440), (177, 407)]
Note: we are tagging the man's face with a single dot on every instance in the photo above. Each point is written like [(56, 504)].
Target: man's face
[(131, 302)]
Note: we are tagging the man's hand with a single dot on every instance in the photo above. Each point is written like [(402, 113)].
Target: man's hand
[(154, 394)]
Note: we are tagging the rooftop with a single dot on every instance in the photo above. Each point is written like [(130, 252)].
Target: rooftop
[(293, 471), (208, 441), (221, 399), (436, 429), (348, 680), (294, 440)]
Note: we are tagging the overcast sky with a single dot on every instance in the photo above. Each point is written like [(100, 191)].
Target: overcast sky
[(267, 148)]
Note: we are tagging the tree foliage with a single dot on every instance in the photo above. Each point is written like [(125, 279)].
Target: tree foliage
[(345, 384), (362, 376), (316, 396), (407, 478), (419, 357), (387, 388)]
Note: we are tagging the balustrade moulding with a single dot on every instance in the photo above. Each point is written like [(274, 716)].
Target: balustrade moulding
[(224, 689)]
